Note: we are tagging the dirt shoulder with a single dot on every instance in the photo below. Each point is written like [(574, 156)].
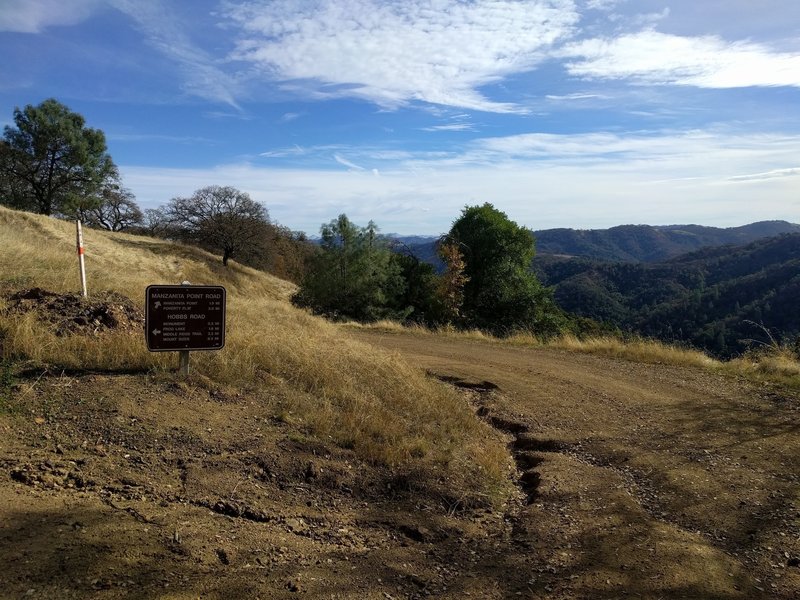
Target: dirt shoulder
[(634, 481)]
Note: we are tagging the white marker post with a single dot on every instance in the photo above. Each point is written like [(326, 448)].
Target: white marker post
[(80, 257)]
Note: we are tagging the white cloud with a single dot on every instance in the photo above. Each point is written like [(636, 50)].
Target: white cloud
[(586, 180), (157, 137), (790, 172), (284, 152), (450, 127), (398, 52), (22, 16), (202, 75), (221, 114), (651, 57), (603, 5), (589, 146), (576, 96), (350, 165)]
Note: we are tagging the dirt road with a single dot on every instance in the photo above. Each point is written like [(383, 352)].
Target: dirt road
[(641, 480), (635, 481)]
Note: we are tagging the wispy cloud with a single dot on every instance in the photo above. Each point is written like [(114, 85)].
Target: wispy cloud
[(295, 150), (450, 127), (576, 96), (239, 115), (157, 137), (34, 17), (395, 53), (651, 57), (203, 76), (774, 173), (603, 4), (350, 165)]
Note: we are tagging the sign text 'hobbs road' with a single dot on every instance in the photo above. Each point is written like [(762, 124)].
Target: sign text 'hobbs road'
[(184, 317)]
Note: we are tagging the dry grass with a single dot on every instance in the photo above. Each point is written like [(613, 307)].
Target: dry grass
[(775, 364), (771, 364), (638, 350), (442, 331), (307, 370)]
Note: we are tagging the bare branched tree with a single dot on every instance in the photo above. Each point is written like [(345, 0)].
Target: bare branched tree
[(219, 218)]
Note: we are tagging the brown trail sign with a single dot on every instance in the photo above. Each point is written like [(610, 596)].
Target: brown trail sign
[(184, 317)]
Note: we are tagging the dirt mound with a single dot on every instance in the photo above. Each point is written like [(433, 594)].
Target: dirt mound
[(71, 314)]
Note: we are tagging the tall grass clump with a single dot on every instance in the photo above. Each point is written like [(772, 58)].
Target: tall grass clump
[(773, 361), (638, 349), (334, 387)]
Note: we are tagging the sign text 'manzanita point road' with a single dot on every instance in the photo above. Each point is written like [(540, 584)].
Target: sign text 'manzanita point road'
[(184, 317)]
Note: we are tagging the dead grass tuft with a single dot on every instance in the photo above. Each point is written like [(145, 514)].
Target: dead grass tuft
[(638, 350), (775, 364)]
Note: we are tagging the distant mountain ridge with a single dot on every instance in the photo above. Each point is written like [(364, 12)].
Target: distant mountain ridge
[(651, 244), (626, 243)]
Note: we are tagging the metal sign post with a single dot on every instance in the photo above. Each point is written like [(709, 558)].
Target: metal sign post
[(183, 365), (183, 318)]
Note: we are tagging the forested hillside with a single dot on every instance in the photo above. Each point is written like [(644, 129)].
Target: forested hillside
[(716, 298)]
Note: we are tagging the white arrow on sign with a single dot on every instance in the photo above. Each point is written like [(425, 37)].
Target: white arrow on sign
[(156, 331), (157, 304)]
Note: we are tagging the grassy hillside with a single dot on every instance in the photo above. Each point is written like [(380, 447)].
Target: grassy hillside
[(303, 370)]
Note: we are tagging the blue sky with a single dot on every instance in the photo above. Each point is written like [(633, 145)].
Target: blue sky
[(562, 113)]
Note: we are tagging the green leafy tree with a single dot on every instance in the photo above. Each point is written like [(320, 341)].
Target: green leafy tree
[(417, 299), (352, 275), (221, 219), (49, 158), (501, 294)]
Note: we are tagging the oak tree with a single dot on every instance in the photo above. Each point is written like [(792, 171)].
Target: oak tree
[(218, 218)]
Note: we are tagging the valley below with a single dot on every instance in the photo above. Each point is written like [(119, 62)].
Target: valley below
[(633, 481)]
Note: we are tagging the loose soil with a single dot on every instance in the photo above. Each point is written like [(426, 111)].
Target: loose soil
[(70, 314), (635, 481)]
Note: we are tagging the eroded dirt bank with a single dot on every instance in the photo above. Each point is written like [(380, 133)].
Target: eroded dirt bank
[(634, 481)]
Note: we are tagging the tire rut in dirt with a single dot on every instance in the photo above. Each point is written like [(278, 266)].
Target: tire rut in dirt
[(478, 386), (523, 448)]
